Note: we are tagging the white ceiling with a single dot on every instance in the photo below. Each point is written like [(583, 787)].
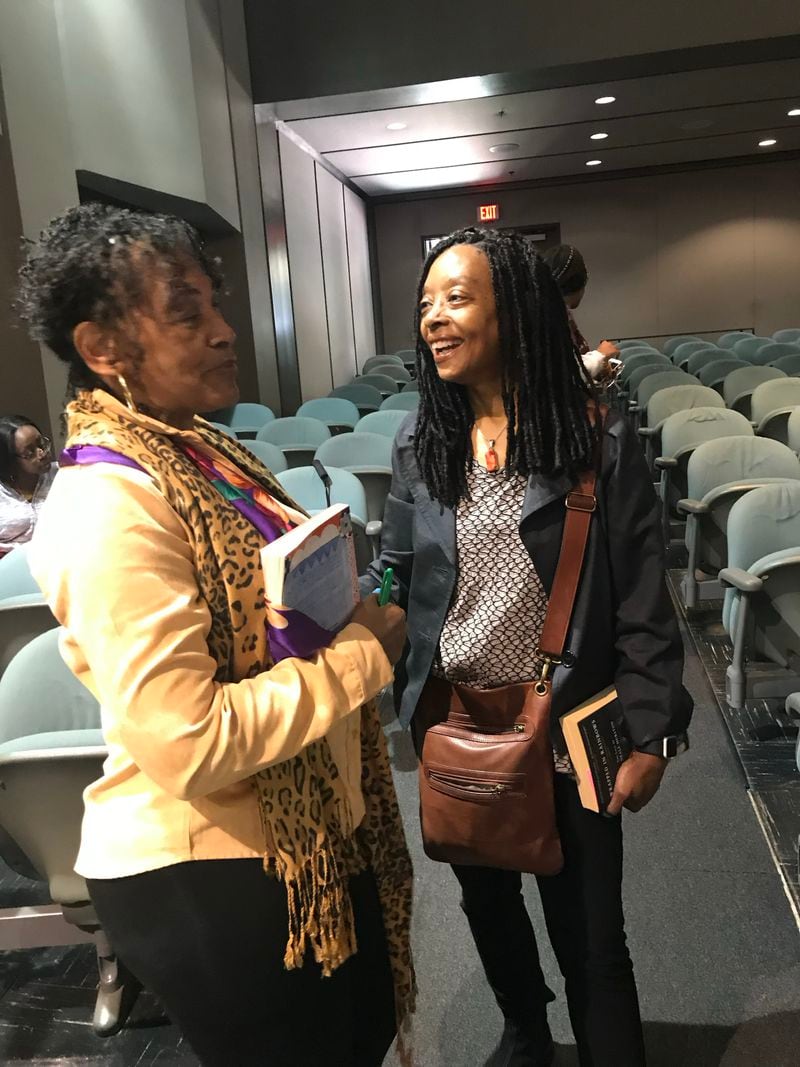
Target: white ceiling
[(664, 119)]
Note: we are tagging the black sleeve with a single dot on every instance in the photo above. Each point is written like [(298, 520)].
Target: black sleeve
[(647, 639), (397, 546)]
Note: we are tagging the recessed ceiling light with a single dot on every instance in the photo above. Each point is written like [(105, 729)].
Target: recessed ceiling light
[(508, 146), (768, 143), (397, 126), (593, 162), (605, 99), (598, 136), (794, 113)]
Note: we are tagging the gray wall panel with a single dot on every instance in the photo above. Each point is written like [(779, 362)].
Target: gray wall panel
[(305, 269), (333, 237), (696, 252), (360, 276)]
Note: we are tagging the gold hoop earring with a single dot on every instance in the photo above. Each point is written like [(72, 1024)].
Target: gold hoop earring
[(126, 393)]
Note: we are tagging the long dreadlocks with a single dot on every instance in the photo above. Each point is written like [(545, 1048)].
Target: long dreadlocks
[(545, 387)]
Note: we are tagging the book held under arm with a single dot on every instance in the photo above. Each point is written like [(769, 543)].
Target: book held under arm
[(310, 583), (597, 746)]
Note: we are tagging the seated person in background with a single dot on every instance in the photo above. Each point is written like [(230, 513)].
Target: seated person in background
[(26, 474), (243, 847), (569, 270)]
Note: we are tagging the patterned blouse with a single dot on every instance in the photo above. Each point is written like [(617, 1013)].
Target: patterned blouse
[(495, 620)]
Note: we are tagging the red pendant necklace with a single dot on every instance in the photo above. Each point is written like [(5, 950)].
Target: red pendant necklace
[(490, 455)]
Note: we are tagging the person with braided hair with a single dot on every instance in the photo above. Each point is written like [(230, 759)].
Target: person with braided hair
[(243, 846), (569, 270), (473, 528)]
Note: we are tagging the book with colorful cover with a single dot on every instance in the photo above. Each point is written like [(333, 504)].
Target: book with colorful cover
[(310, 583), (597, 746)]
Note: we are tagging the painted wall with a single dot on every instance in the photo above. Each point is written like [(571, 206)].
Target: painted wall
[(156, 95), (328, 272), (695, 252)]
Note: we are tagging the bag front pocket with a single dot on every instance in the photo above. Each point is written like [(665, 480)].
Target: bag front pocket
[(482, 787)]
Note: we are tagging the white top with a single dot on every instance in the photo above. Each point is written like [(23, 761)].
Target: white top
[(17, 515)]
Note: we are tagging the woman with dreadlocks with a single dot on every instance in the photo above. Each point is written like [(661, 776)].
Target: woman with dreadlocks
[(473, 528), (243, 847), (569, 270)]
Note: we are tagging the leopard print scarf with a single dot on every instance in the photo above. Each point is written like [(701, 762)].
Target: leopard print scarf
[(309, 839)]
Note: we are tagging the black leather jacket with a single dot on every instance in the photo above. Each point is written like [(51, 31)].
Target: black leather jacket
[(624, 629)]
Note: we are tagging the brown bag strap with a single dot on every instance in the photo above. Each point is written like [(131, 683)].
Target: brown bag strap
[(581, 504)]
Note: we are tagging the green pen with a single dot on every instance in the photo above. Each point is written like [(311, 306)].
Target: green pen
[(385, 590)]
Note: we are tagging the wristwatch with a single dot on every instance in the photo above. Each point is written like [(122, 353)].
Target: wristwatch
[(667, 747)]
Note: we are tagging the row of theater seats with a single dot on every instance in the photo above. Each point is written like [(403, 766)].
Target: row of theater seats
[(723, 444)]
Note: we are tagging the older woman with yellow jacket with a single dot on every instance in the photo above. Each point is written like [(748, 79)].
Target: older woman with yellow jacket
[(243, 847)]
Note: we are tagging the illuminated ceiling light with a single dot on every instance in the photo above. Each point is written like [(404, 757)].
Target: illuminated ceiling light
[(593, 162), (598, 136), (605, 99), (507, 146), (767, 143), (397, 126), (794, 113)]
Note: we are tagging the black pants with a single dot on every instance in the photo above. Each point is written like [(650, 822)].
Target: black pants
[(583, 913), (208, 938)]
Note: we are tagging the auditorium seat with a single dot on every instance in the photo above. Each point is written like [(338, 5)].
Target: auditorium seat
[(673, 343), (246, 419), (375, 361), (642, 359), (383, 422), (382, 382), (747, 348), (771, 406), (304, 485), (728, 340), (408, 356), (737, 389), (761, 612), (649, 385), (269, 454), (665, 402), (771, 352), (632, 342), (408, 400), (366, 397), (702, 357), (680, 355), (789, 364), (51, 749), (21, 619), (15, 574), (627, 354), (411, 387), (338, 413), (369, 457), (681, 434), (713, 374), (298, 438), (719, 473), (395, 371), (790, 335)]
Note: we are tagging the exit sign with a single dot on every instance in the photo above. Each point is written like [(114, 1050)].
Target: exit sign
[(488, 213)]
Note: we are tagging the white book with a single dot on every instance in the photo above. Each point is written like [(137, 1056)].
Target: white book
[(310, 583)]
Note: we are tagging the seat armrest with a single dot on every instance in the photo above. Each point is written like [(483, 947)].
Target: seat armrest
[(741, 580), (646, 431), (692, 507), (633, 405), (665, 462), (374, 528)]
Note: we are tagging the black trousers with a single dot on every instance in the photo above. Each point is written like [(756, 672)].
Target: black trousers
[(208, 938), (583, 914)]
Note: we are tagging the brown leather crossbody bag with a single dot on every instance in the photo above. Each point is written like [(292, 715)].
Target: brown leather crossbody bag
[(486, 767)]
